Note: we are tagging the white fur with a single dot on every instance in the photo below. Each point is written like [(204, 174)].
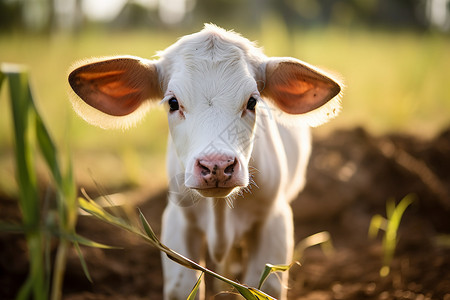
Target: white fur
[(213, 73)]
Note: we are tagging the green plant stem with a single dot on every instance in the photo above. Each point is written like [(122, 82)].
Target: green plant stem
[(29, 130), (35, 283), (37, 266), (59, 269)]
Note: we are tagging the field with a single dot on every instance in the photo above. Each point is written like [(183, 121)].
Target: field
[(395, 81), (397, 90)]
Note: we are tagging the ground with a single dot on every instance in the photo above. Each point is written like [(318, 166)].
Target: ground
[(351, 176)]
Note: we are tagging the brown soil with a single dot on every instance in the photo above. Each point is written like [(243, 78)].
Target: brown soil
[(350, 178)]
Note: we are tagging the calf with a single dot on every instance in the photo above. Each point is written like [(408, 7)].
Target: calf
[(238, 147)]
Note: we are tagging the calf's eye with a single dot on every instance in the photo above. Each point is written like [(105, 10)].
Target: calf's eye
[(173, 104), (251, 103)]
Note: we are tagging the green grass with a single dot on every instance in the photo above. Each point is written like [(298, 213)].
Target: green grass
[(395, 81), (390, 225), (39, 224)]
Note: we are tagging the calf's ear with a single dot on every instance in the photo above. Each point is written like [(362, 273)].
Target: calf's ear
[(114, 91), (298, 88)]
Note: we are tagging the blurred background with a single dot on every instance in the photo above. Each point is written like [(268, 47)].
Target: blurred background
[(393, 55), (391, 139)]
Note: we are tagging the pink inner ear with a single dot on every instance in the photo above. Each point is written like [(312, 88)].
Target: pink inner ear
[(298, 89), (117, 86)]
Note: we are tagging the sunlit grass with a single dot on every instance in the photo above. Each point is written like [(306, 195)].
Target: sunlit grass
[(390, 225)]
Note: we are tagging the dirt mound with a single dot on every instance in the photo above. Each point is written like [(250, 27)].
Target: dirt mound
[(351, 176)]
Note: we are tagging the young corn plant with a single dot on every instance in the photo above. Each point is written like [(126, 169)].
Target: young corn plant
[(390, 226), (40, 226)]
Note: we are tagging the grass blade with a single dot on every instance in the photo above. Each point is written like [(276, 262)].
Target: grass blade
[(47, 148), (83, 262), (269, 269), (322, 238), (376, 223), (395, 214), (390, 208), (20, 98), (194, 291), (259, 295), (78, 239), (148, 230), (94, 209)]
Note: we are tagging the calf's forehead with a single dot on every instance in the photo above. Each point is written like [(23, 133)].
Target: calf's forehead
[(211, 66), (201, 80), (212, 79)]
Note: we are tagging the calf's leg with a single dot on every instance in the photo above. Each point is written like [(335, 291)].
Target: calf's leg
[(272, 243), (178, 235)]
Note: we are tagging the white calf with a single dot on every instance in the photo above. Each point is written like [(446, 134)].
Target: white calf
[(234, 159)]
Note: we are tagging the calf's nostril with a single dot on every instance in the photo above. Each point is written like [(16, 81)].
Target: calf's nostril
[(204, 170), (230, 169)]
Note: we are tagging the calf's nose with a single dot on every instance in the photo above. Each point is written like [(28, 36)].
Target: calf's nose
[(216, 168)]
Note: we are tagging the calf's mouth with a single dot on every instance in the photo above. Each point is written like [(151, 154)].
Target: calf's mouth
[(216, 192)]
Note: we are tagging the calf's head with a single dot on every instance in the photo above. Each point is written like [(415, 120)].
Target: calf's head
[(211, 84)]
